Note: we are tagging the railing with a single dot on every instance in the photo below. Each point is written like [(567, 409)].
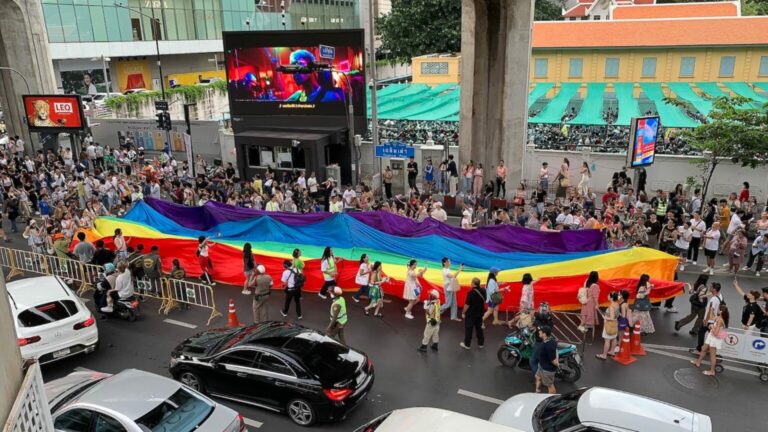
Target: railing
[(170, 292), (565, 327), (30, 411)]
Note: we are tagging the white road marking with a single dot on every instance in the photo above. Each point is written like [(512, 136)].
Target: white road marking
[(479, 397), (180, 323), (666, 347), (252, 423), (682, 357)]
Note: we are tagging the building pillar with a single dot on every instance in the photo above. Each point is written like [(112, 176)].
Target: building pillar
[(24, 47), (495, 51)]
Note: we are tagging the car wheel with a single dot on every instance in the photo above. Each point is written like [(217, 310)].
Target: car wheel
[(192, 380), (301, 412)]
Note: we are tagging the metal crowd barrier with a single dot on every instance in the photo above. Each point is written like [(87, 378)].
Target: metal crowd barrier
[(170, 292), (565, 327)]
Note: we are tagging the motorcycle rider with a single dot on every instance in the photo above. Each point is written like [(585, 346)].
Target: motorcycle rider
[(106, 283), (123, 287)]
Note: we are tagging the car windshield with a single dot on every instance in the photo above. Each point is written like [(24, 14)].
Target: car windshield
[(182, 412), (559, 412), (332, 362), (47, 313)]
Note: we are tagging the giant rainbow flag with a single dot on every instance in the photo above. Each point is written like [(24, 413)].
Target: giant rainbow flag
[(559, 262)]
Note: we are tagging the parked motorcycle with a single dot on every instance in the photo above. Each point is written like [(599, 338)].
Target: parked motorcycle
[(517, 349)]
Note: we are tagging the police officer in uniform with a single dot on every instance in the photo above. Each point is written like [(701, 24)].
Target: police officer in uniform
[(338, 316), (261, 295), (432, 329)]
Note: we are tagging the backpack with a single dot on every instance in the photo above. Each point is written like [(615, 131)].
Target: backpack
[(583, 295), (298, 279)]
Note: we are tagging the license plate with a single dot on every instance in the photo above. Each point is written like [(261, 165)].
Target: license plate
[(577, 357), (60, 353)]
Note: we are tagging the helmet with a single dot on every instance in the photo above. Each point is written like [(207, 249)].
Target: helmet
[(109, 267)]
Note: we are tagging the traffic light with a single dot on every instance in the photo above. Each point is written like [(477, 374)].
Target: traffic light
[(160, 120), (167, 120)]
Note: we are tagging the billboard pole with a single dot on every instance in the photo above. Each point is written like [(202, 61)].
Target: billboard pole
[(374, 114)]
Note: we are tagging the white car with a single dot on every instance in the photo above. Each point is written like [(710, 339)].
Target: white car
[(134, 401), (596, 409), (430, 420), (50, 319), (99, 99), (136, 90)]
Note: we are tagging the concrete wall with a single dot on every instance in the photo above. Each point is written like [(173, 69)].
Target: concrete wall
[(205, 135)]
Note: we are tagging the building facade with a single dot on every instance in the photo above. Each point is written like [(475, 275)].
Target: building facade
[(91, 38)]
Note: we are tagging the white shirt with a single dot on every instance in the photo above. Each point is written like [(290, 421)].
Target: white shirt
[(348, 196), (544, 173), (302, 182), (684, 239), (697, 228), (124, 285), (734, 224), (312, 184), (324, 267), (446, 278), (439, 214), (288, 278), (713, 307), (712, 243), (362, 280)]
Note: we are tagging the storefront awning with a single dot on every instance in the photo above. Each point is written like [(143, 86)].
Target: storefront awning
[(591, 112), (671, 115), (685, 92), (628, 106), (540, 90), (553, 112)]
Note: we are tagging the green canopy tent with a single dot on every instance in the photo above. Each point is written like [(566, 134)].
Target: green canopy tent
[(591, 112), (628, 106), (685, 92), (554, 110), (671, 115)]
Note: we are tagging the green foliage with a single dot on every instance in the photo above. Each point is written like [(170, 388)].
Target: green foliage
[(729, 132), (419, 27), (754, 7), (189, 93), (219, 86)]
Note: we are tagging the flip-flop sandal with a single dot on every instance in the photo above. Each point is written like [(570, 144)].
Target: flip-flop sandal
[(600, 357), (693, 362), (708, 373)]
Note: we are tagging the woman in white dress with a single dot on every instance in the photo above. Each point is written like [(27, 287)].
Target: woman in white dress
[(412, 287), (586, 177)]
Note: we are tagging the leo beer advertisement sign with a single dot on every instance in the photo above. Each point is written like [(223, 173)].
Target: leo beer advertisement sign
[(49, 113)]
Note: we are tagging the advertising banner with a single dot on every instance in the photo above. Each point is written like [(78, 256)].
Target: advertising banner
[(84, 82), (644, 133), (47, 113)]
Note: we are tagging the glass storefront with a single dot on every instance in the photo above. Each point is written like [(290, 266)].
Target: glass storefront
[(102, 21)]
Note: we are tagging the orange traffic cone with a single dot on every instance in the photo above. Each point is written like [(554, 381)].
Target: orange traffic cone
[(232, 321), (636, 348), (624, 356)]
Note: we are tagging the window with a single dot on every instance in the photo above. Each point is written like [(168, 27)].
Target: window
[(84, 23), (270, 363), (560, 412), (540, 68), (727, 64), (105, 423), (434, 68), (53, 23), (687, 66), (47, 313), (649, 67), (182, 408), (69, 23), (612, 67), (576, 64), (598, 17), (763, 71), (283, 157), (242, 358), (76, 420)]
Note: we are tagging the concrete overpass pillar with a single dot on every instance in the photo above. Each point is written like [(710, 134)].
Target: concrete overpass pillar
[(24, 47), (495, 56)]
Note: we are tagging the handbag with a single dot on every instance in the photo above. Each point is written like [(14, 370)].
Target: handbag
[(497, 298), (565, 182), (611, 327), (417, 290), (643, 304), (518, 201), (623, 323)]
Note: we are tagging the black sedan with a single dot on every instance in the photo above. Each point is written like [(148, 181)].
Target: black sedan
[(278, 366)]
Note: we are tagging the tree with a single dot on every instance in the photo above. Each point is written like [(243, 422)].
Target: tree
[(728, 133), (419, 27)]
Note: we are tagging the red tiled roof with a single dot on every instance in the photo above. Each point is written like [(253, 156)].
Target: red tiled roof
[(651, 33), (577, 11), (676, 10)]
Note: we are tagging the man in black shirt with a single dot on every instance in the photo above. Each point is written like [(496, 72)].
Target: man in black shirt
[(453, 175), (474, 307), (413, 170), (102, 255), (546, 353)]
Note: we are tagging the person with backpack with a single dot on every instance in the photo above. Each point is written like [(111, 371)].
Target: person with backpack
[(362, 278), (292, 281), (588, 296), (698, 299)]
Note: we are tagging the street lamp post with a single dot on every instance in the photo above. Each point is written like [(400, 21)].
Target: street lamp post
[(156, 37), (26, 83), (374, 114)]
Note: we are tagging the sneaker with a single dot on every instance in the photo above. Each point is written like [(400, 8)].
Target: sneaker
[(693, 262), (245, 292), (422, 348), (757, 274), (322, 296), (409, 316), (677, 325), (711, 272), (745, 268), (582, 329), (299, 317), (480, 346), (356, 299), (107, 309), (283, 314), (461, 344), (706, 270), (670, 310), (726, 265), (682, 267)]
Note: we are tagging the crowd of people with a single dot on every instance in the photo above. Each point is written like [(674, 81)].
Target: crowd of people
[(56, 193)]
